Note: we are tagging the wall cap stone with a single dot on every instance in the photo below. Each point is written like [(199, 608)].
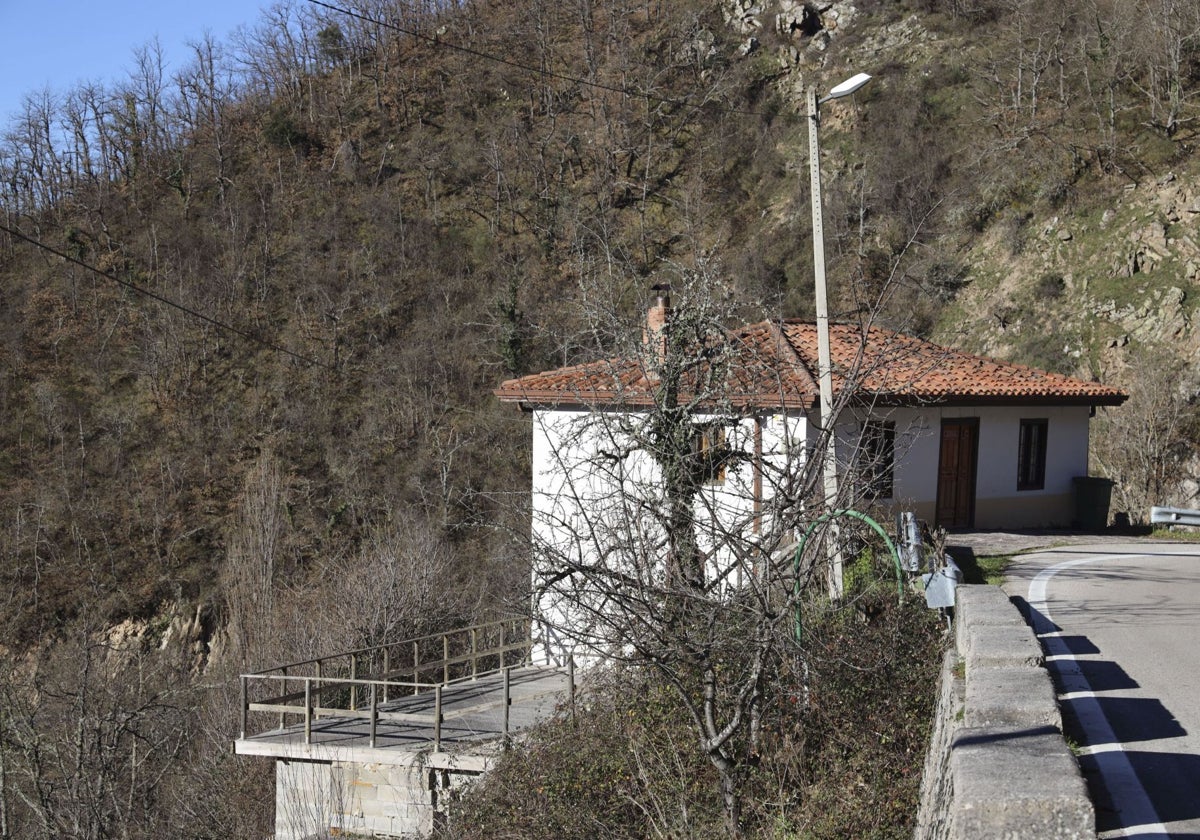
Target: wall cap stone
[(1000, 765)]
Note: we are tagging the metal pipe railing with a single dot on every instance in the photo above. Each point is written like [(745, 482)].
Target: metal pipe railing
[(507, 699), (307, 711), (285, 691), (445, 639), (311, 706), (487, 649), (473, 660), (437, 719), (374, 715)]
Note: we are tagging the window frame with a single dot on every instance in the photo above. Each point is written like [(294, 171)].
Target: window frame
[(877, 459), (1032, 436), (710, 451)]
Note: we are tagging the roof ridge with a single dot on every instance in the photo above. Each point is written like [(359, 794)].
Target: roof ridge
[(781, 338)]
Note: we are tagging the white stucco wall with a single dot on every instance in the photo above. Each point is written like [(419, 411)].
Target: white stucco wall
[(998, 502), (592, 488), (594, 491)]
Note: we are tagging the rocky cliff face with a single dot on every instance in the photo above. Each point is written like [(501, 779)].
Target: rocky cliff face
[(1075, 283), (805, 27), (1083, 289)]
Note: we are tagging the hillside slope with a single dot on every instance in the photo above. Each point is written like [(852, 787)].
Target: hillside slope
[(364, 219)]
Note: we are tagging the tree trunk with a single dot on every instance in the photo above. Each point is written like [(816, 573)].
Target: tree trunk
[(730, 797)]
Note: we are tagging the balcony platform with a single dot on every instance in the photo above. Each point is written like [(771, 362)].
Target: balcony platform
[(472, 728)]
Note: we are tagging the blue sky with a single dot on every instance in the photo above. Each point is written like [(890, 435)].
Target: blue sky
[(58, 43)]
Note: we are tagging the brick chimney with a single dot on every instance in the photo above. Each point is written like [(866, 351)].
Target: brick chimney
[(654, 336)]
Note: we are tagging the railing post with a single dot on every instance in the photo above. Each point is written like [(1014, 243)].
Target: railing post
[(445, 658), (320, 675), (437, 718), (571, 684), (507, 701), (387, 671), (245, 706), (282, 717), (527, 635), (416, 667), (374, 715), (353, 687), (474, 653), (307, 711)]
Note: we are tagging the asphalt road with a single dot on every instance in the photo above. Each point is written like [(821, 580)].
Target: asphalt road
[(1120, 623)]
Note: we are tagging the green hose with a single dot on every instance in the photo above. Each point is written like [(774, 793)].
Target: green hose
[(853, 514)]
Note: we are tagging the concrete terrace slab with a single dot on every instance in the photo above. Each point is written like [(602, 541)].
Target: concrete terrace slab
[(472, 728)]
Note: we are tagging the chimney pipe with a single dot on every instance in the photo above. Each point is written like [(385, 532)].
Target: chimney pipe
[(654, 337)]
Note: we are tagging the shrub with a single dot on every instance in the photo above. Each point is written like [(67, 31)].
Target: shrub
[(1050, 286), (599, 775), (844, 728)]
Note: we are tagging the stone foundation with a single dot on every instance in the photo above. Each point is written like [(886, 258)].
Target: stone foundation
[(316, 798)]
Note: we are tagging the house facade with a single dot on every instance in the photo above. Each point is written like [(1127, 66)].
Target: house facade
[(962, 440), (984, 466)]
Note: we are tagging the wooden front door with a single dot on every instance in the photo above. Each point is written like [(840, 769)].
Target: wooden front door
[(956, 473)]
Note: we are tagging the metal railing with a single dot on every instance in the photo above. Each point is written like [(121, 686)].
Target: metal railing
[(354, 684), (1174, 516)]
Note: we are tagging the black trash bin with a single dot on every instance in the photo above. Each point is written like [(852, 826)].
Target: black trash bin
[(1092, 498)]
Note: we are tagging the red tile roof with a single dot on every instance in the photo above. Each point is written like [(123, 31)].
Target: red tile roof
[(773, 364)]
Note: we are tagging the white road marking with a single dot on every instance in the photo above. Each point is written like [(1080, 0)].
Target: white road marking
[(1129, 797)]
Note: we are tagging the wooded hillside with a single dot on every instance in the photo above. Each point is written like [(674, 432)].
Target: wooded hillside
[(245, 389)]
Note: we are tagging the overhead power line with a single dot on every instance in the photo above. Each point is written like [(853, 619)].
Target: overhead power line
[(539, 71), (141, 290)]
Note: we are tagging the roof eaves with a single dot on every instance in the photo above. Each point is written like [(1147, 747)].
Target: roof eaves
[(973, 400)]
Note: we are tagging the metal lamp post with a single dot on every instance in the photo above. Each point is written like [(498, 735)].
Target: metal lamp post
[(824, 363)]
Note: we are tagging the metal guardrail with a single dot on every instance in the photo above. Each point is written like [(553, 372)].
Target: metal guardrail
[(339, 684), (1174, 516)]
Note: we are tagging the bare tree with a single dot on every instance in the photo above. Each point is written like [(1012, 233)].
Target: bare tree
[(91, 735), (1172, 47), (659, 524), (255, 550), (1146, 446)]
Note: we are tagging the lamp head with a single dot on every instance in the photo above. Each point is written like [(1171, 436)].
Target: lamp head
[(848, 87)]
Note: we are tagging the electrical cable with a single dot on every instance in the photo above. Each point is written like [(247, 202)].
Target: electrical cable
[(133, 287)]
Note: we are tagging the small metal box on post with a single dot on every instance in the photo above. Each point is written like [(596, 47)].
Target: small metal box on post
[(940, 582), (940, 585), (909, 544)]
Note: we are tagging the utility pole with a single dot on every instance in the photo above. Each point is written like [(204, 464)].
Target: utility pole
[(824, 362)]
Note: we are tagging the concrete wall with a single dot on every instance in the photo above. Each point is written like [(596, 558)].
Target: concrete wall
[(998, 765), (315, 798)]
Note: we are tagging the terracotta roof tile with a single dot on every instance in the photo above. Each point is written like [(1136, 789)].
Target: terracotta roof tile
[(773, 364)]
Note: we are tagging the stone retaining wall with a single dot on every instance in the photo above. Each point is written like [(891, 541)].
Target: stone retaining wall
[(321, 799), (998, 765)]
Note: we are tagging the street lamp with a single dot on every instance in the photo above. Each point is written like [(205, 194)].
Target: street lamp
[(824, 363)]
